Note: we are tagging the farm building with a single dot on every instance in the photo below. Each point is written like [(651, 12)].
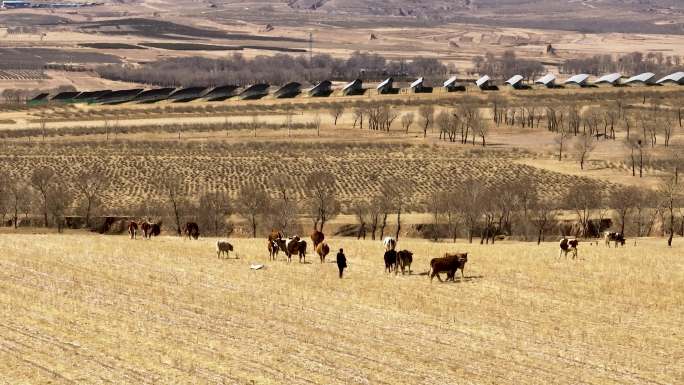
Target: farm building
[(90, 96), (119, 96), (289, 90), (16, 4), (65, 97), (451, 85), (418, 85), (676, 78), (548, 80), (323, 89), (38, 99), (385, 87), (610, 79), (577, 80), (640, 80), (154, 95), (484, 82), (256, 91), (515, 81), (187, 94), (353, 88), (220, 93)]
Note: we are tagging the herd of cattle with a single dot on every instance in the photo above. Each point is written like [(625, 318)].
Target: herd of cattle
[(395, 260), (569, 246)]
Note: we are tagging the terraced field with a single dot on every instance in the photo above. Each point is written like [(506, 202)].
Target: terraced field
[(359, 168)]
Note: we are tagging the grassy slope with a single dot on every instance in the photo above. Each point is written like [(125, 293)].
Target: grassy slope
[(93, 309)]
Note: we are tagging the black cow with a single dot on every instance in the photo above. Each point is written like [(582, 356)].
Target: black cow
[(568, 246), (191, 230), (390, 261)]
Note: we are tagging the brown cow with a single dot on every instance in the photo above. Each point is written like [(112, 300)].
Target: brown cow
[(317, 237), (132, 229), (290, 246), (145, 226), (191, 230), (273, 250), (449, 264), (404, 260), (322, 250)]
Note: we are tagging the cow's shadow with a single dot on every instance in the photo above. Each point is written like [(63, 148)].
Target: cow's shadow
[(458, 278)]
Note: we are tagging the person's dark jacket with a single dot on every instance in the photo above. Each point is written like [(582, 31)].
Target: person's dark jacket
[(341, 260)]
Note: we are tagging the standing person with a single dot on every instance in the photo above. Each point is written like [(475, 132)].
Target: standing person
[(341, 262)]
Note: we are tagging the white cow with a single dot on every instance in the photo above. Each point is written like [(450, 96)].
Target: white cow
[(390, 243)]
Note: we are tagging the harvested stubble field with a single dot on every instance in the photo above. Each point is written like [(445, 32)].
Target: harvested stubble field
[(105, 309), (133, 167)]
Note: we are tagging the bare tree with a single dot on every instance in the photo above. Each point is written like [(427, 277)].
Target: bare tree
[(173, 191), (251, 204), (584, 145), (471, 205), (214, 209), (377, 209), (317, 124), (407, 121), (561, 138), (479, 127), (283, 211), (543, 213), (18, 196), (623, 202), (90, 183), (60, 201), (671, 195), (583, 199), (324, 204), (42, 180), (426, 114), (361, 211), (667, 124), (336, 110)]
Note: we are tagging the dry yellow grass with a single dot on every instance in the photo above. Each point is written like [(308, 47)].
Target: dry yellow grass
[(103, 309)]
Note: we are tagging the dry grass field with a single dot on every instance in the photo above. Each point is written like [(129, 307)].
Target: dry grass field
[(103, 309)]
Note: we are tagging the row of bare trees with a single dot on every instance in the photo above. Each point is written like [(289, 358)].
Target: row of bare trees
[(51, 196), (276, 69), (516, 209)]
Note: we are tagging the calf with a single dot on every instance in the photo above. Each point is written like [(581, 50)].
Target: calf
[(322, 250), (273, 249), (404, 259), (568, 246), (449, 264), (223, 247), (617, 238), (390, 261)]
